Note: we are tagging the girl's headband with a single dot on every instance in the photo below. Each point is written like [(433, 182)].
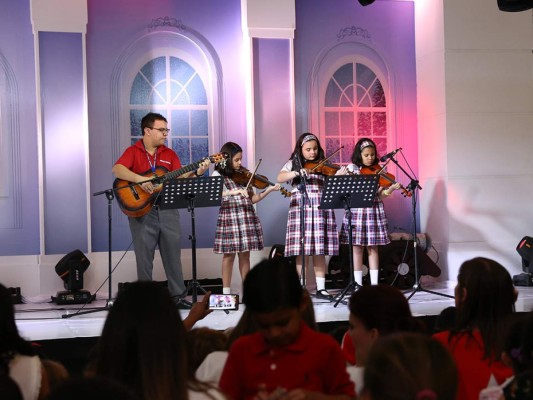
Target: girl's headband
[(366, 143), (308, 138)]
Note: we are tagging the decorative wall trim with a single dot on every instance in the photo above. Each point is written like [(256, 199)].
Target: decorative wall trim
[(11, 126), (353, 31), (166, 22)]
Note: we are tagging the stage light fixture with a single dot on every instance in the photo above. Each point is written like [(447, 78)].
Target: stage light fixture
[(365, 2), (515, 5), (70, 269), (525, 249)]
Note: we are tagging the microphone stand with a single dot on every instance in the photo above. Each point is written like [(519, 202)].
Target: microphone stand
[(302, 187), (413, 187), (110, 195)]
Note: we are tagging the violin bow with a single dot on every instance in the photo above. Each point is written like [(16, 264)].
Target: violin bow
[(383, 167), (253, 174), (327, 158)]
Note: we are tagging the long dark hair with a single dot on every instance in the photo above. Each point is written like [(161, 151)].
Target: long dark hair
[(10, 340), (384, 308), (485, 297), (144, 344), (231, 149), (405, 366)]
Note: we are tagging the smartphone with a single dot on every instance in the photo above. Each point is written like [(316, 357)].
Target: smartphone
[(224, 302)]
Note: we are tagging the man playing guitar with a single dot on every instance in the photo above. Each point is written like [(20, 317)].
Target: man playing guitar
[(151, 226)]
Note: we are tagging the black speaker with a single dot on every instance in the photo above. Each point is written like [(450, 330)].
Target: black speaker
[(515, 5), (396, 265), (278, 250)]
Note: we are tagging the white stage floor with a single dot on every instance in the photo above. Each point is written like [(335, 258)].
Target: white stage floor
[(46, 321)]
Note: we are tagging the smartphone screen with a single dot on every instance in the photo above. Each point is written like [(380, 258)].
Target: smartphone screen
[(224, 302)]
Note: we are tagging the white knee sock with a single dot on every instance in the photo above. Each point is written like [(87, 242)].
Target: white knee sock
[(320, 283), (374, 276), (226, 290), (358, 277)]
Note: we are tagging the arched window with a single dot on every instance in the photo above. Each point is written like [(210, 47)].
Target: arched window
[(354, 106), (172, 87)]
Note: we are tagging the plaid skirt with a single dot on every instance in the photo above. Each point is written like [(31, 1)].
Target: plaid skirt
[(369, 226), (238, 227), (320, 227)]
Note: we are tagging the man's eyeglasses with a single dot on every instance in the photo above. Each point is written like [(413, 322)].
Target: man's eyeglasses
[(162, 130)]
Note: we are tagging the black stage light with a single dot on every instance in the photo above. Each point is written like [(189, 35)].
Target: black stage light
[(515, 5), (70, 269), (365, 2), (525, 249)]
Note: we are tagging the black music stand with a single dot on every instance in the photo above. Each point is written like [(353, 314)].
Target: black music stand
[(191, 193), (349, 191)]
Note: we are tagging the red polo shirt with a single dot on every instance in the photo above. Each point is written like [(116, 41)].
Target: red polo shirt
[(474, 371), (314, 361), (137, 159)]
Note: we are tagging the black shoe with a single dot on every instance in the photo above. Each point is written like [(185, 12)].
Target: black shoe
[(183, 304), (324, 295)]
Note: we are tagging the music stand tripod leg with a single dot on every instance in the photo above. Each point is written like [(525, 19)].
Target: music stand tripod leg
[(347, 191), (193, 285), (352, 286)]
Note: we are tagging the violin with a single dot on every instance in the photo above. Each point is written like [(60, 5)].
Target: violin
[(323, 167), (242, 177), (320, 167), (385, 179)]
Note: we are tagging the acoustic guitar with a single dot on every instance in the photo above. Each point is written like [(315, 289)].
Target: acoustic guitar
[(135, 202)]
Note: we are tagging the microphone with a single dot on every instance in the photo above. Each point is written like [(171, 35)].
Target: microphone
[(389, 155)]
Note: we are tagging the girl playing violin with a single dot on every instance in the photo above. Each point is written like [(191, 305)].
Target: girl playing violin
[(238, 227), (369, 225), (321, 236)]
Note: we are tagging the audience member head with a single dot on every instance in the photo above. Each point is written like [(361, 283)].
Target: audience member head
[(409, 366), (376, 311), (246, 324), (203, 341), (274, 296), (143, 344), (445, 320), (90, 388), (10, 339), (484, 297), (9, 390), (513, 353), (56, 373), (526, 347)]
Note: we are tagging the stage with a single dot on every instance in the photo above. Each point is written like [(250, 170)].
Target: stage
[(68, 337), (48, 321)]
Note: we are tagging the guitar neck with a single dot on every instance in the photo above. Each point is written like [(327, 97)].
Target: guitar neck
[(181, 171)]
